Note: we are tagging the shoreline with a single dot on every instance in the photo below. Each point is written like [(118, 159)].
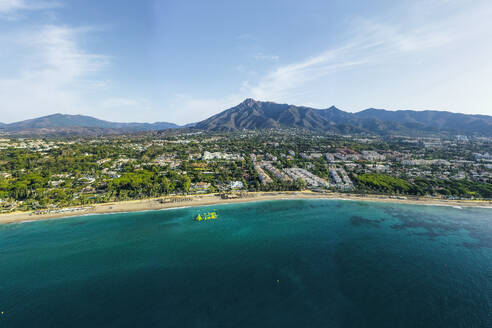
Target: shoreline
[(172, 202)]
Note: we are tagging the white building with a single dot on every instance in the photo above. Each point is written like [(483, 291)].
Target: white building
[(236, 185)]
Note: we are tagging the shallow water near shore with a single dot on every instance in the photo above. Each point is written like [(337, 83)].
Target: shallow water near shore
[(286, 263)]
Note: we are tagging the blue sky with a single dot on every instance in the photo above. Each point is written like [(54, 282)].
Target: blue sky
[(182, 61)]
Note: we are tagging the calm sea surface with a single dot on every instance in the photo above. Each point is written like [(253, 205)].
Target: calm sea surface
[(292, 263)]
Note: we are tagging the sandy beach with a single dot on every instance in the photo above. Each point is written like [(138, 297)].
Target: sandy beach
[(213, 199)]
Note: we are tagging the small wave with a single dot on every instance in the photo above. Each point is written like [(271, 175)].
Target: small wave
[(22, 222), (175, 208)]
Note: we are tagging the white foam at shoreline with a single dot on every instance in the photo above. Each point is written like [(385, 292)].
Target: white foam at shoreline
[(252, 200)]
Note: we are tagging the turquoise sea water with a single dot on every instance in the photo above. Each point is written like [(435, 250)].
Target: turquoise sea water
[(292, 263)]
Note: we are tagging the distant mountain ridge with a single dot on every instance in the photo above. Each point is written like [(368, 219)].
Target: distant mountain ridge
[(252, 114), (438, 119), (256, 115), (79, 124)]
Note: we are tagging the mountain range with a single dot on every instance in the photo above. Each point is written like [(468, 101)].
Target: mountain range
[(79, 125), (256, 115), (252, 114)]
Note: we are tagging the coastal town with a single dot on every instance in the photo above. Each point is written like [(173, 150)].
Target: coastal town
[(52, 174)]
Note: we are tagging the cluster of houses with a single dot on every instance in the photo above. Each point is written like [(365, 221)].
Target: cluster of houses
[(220, 155), (340, 179), (311, 180)]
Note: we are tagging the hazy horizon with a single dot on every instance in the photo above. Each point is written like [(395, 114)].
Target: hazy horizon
[(152, 61), (221, 110)]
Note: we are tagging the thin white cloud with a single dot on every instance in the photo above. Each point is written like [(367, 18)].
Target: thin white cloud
[(50, 74), (11, 6), (262, 56), (288, 78), (371, 43), (246, 37)]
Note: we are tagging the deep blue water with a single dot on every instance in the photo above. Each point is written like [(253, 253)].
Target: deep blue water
[(292, 263)]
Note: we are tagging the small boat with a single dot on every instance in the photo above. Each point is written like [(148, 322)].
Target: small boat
[(206, 216)]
